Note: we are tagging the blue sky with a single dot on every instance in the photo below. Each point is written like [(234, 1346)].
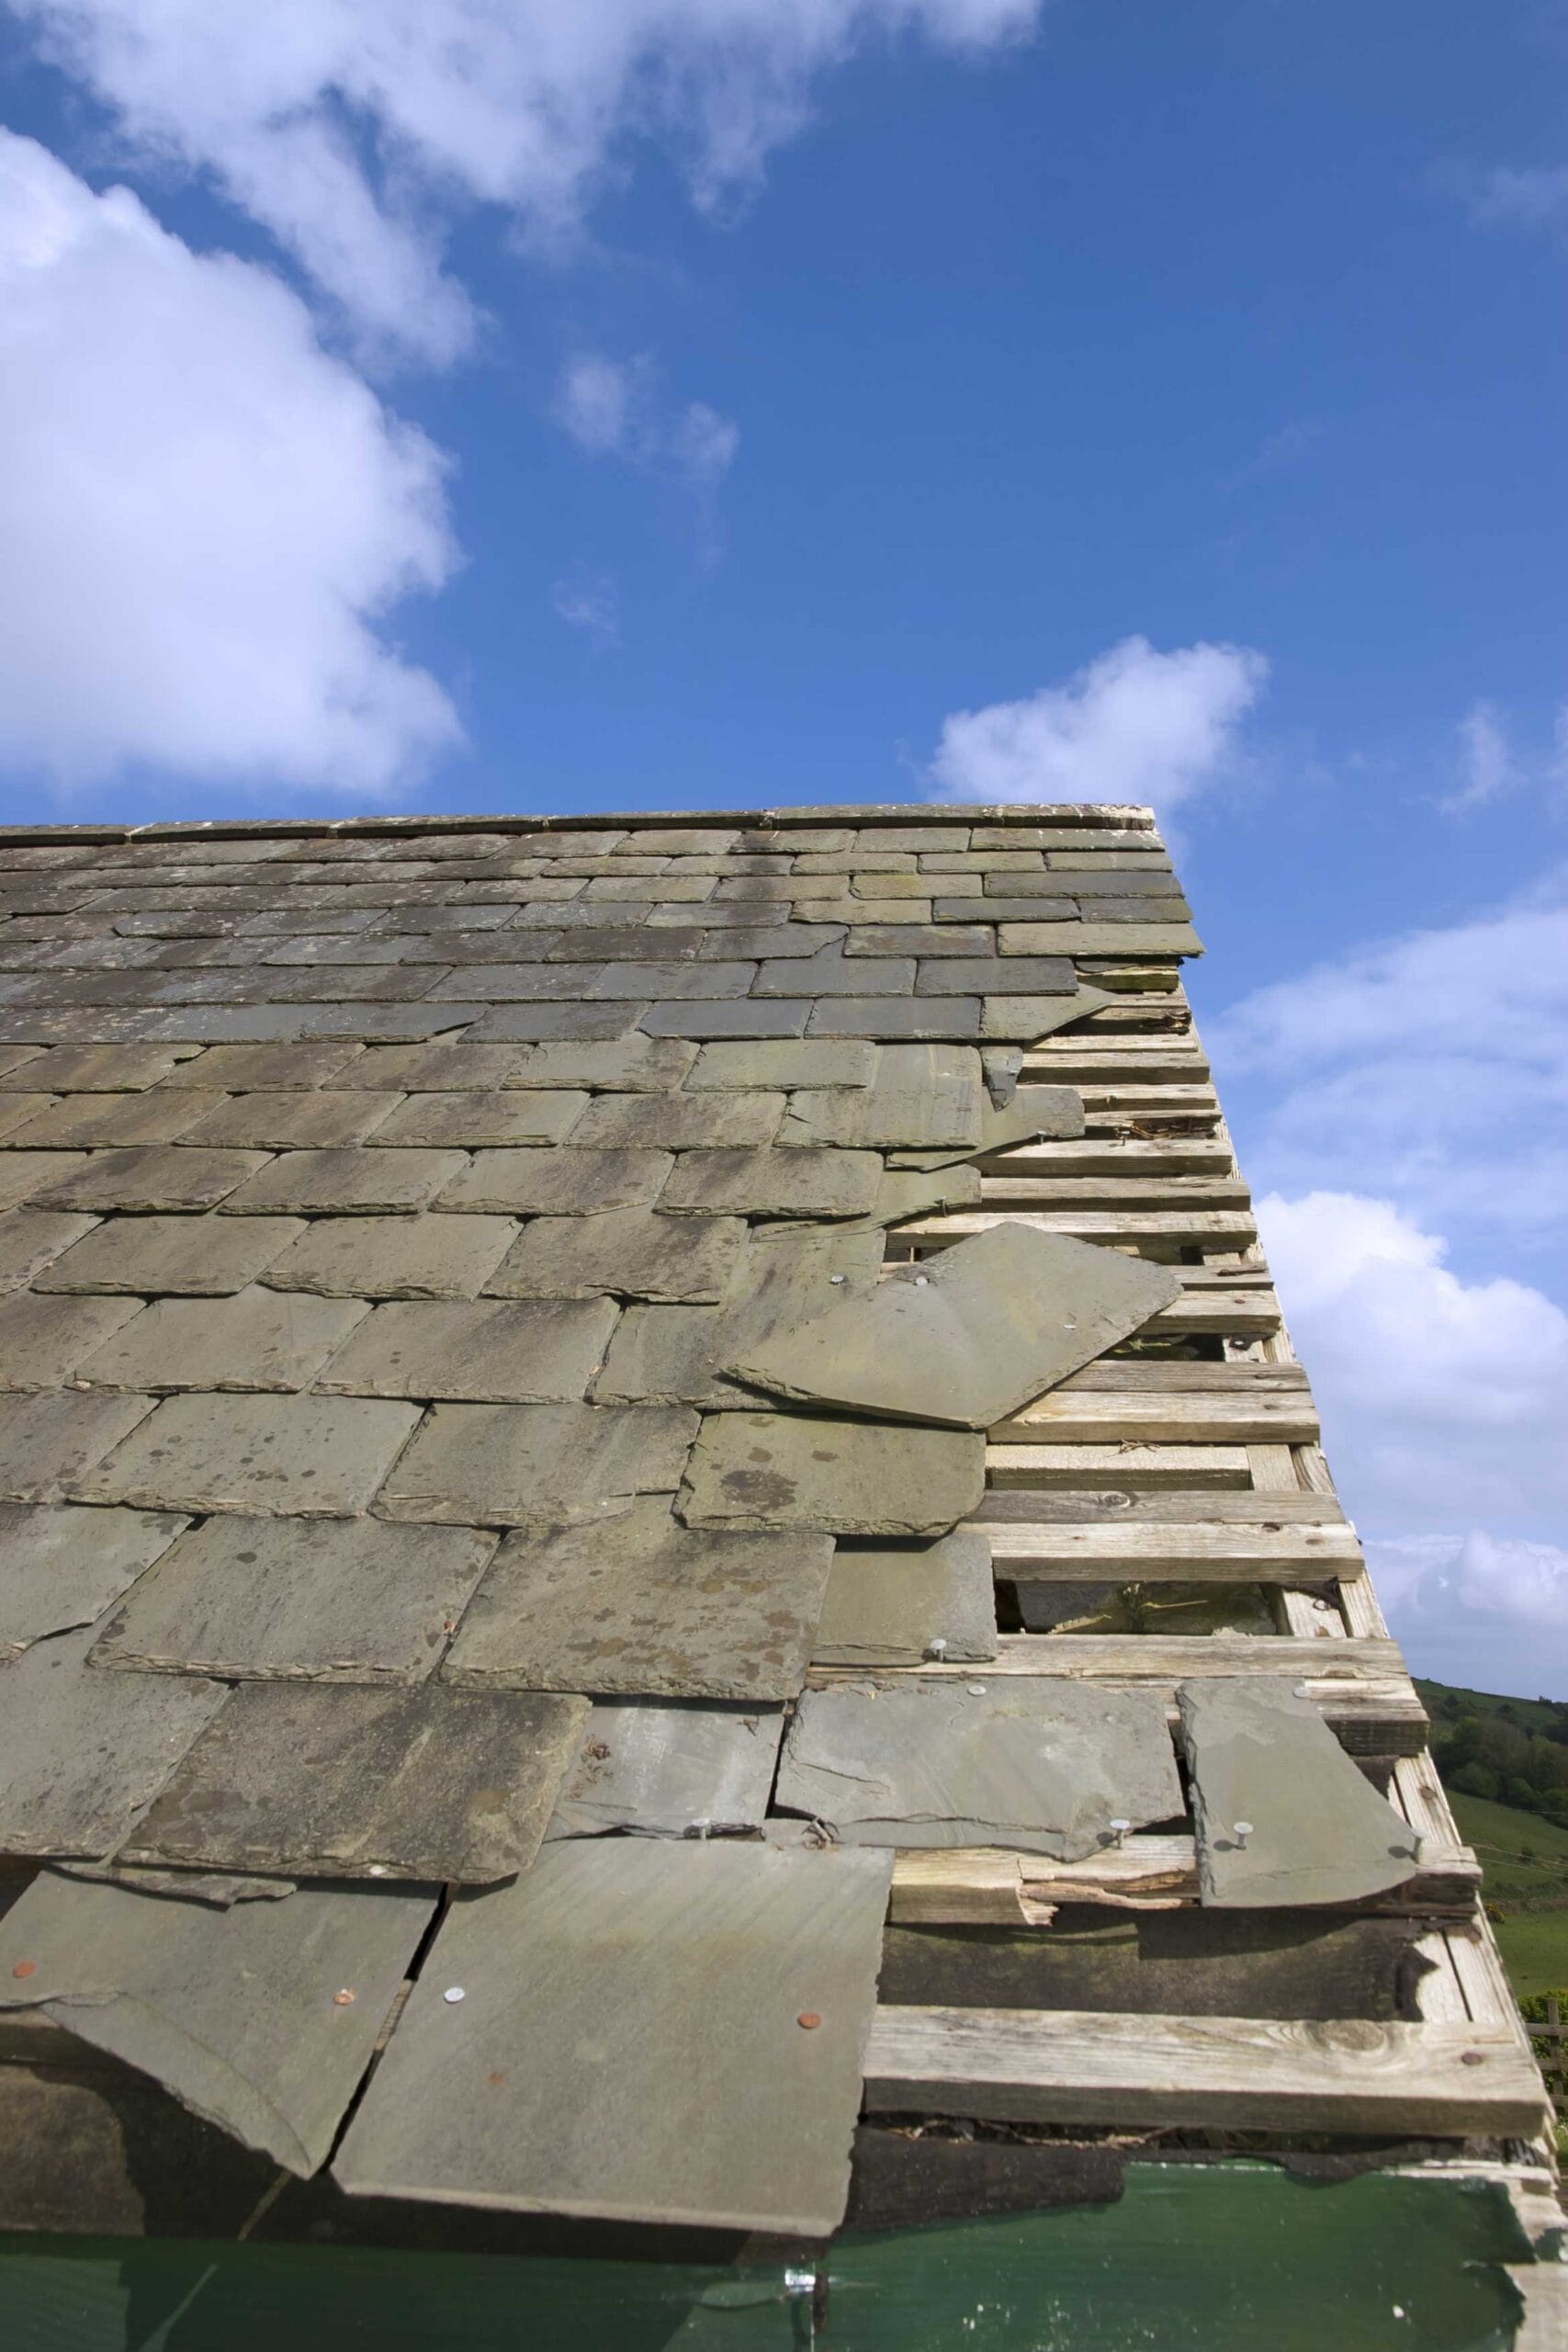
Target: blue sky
[(688, 403)]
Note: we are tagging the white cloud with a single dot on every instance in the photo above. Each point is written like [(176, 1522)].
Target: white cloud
[(613, 408), (205, 516), (1536, 197), (1133, 725), (1488, 767), (589, 601), (1445, 1409), (353, 128)]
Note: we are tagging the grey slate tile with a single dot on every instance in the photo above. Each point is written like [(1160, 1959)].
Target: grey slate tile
[(682, 1121), (1029, 939), (1319, 1832), (1039, 974), (559, 1184), (634, 1064), (210, 2001), (907, 1192), (535, 1465), (255, 1339), (747, 1017), (665, 981), (896, 1604), (1030, 1113), (295, 1120), (644, 1605), (656, 1771), (244, 1069), (389, 1256), (1172, 909), (49, 1441), (30, 1243), (532, 983), (424, 1784), (914, 939), (340, 1601), (664, 1986), (787, 1062), (192, 1256), (487, 1351), (1030, 1018), (549, 1021), (635, 1252), (773, 1182), (63, 1567), (445, 1067), (103, 1122), (830, 972), (769, 940), (24, 1175), (356, 1182), (81, 1752), (518, 1115), (899, 1017), (314, 1456), (44, 1339), (798, 1470), (1036, 1763), (162, 1177), (94, 1069), (1014, 908), (923, 1096)]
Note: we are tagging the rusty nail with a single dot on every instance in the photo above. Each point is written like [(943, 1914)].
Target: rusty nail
[(809, 2019), (1472, 2058), (497, 2079), (341, 2000), (24, 1968)]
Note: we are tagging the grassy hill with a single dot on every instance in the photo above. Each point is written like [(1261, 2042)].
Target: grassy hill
[(1523, 1853)]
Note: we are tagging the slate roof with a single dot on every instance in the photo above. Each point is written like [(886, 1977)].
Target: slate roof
[(493, 1311)]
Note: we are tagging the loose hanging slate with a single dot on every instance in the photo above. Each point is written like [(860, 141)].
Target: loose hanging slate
[(647, 2032), (656, 1771), (1283, 1816), (316, 1781), (970, 1336), (1038, 1764), (239, 2012), (894, 1604)]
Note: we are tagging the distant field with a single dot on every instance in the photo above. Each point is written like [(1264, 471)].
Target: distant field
[(1530, 1715), (1526, 1863)]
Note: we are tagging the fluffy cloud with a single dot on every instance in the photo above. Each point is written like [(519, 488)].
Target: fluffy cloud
[(352, 128), (205, 516), (1487, 765), (1445, 1408), (1134, 725), (612, 408)]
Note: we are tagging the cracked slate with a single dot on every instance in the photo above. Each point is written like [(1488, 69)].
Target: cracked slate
[(1033, 1112), (644, 1605), (568, 1182), (314, 1456), (536, 1465), (218, 1887), (81, 1752), (1034, 1763), (63, 1567), (768, 1470), (922, 1097), (544, 1022), (633, 1252), (657, 1770), (195, 1256), (352, 1601), (49, 1441), (242, 1069), (663, 1986), (390, 1257), (256, 1339), (314, 1781), (1320, 1833), (356, 1182), (773, 1182), (534, 1351), (969, 1336), (44, 1339), (1030, 1018), (890, 1604), (906, 1192), (232, 2010)]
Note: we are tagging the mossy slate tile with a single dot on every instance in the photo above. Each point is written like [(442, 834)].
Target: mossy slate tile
[(389, 1256), (682, 1122), (65, 1566), (568, 1182), (469, 1118), (486, 1350), (308, 1457), (166, 1177), (1028, 939), (254, 1340), (773, 1182), (636, 1253), (44, 1339), (202, 1255), (779, 1470), (633, 1064), (535, 1465), (644, 1605), (426, 1784), (361, 1182), (296, 1119), (257, 1600)]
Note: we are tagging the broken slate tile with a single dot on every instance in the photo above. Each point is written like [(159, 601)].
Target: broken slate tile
[(232, 2010), (389, 1256), (770, 1062), (349, 1601), (256, 1339), (908, 1192), (776, 1470), (1031, 1112), (530, 1352), (899, 1017), (968, 1335), (81, 1752), (244, 1070), (897, 1604), (470, 1118), (43, 1341), (536, 1465), (504, 1023), (644, 1604), (1030, 1018), (47, 1442), (30, 1242), (315, 1456), (923, 1096), (635, 1995), (682, 1121), (183, 1256), (559, 1184), (172, 1176), (1035, 1763), (773, 1182), (63, 1567), (430, 1783), (700, 1769), (362, 1183), (743, 1017), (636, 1253), (1283, 1816)]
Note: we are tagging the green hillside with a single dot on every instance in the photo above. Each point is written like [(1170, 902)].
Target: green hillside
[(1505, 1765)]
